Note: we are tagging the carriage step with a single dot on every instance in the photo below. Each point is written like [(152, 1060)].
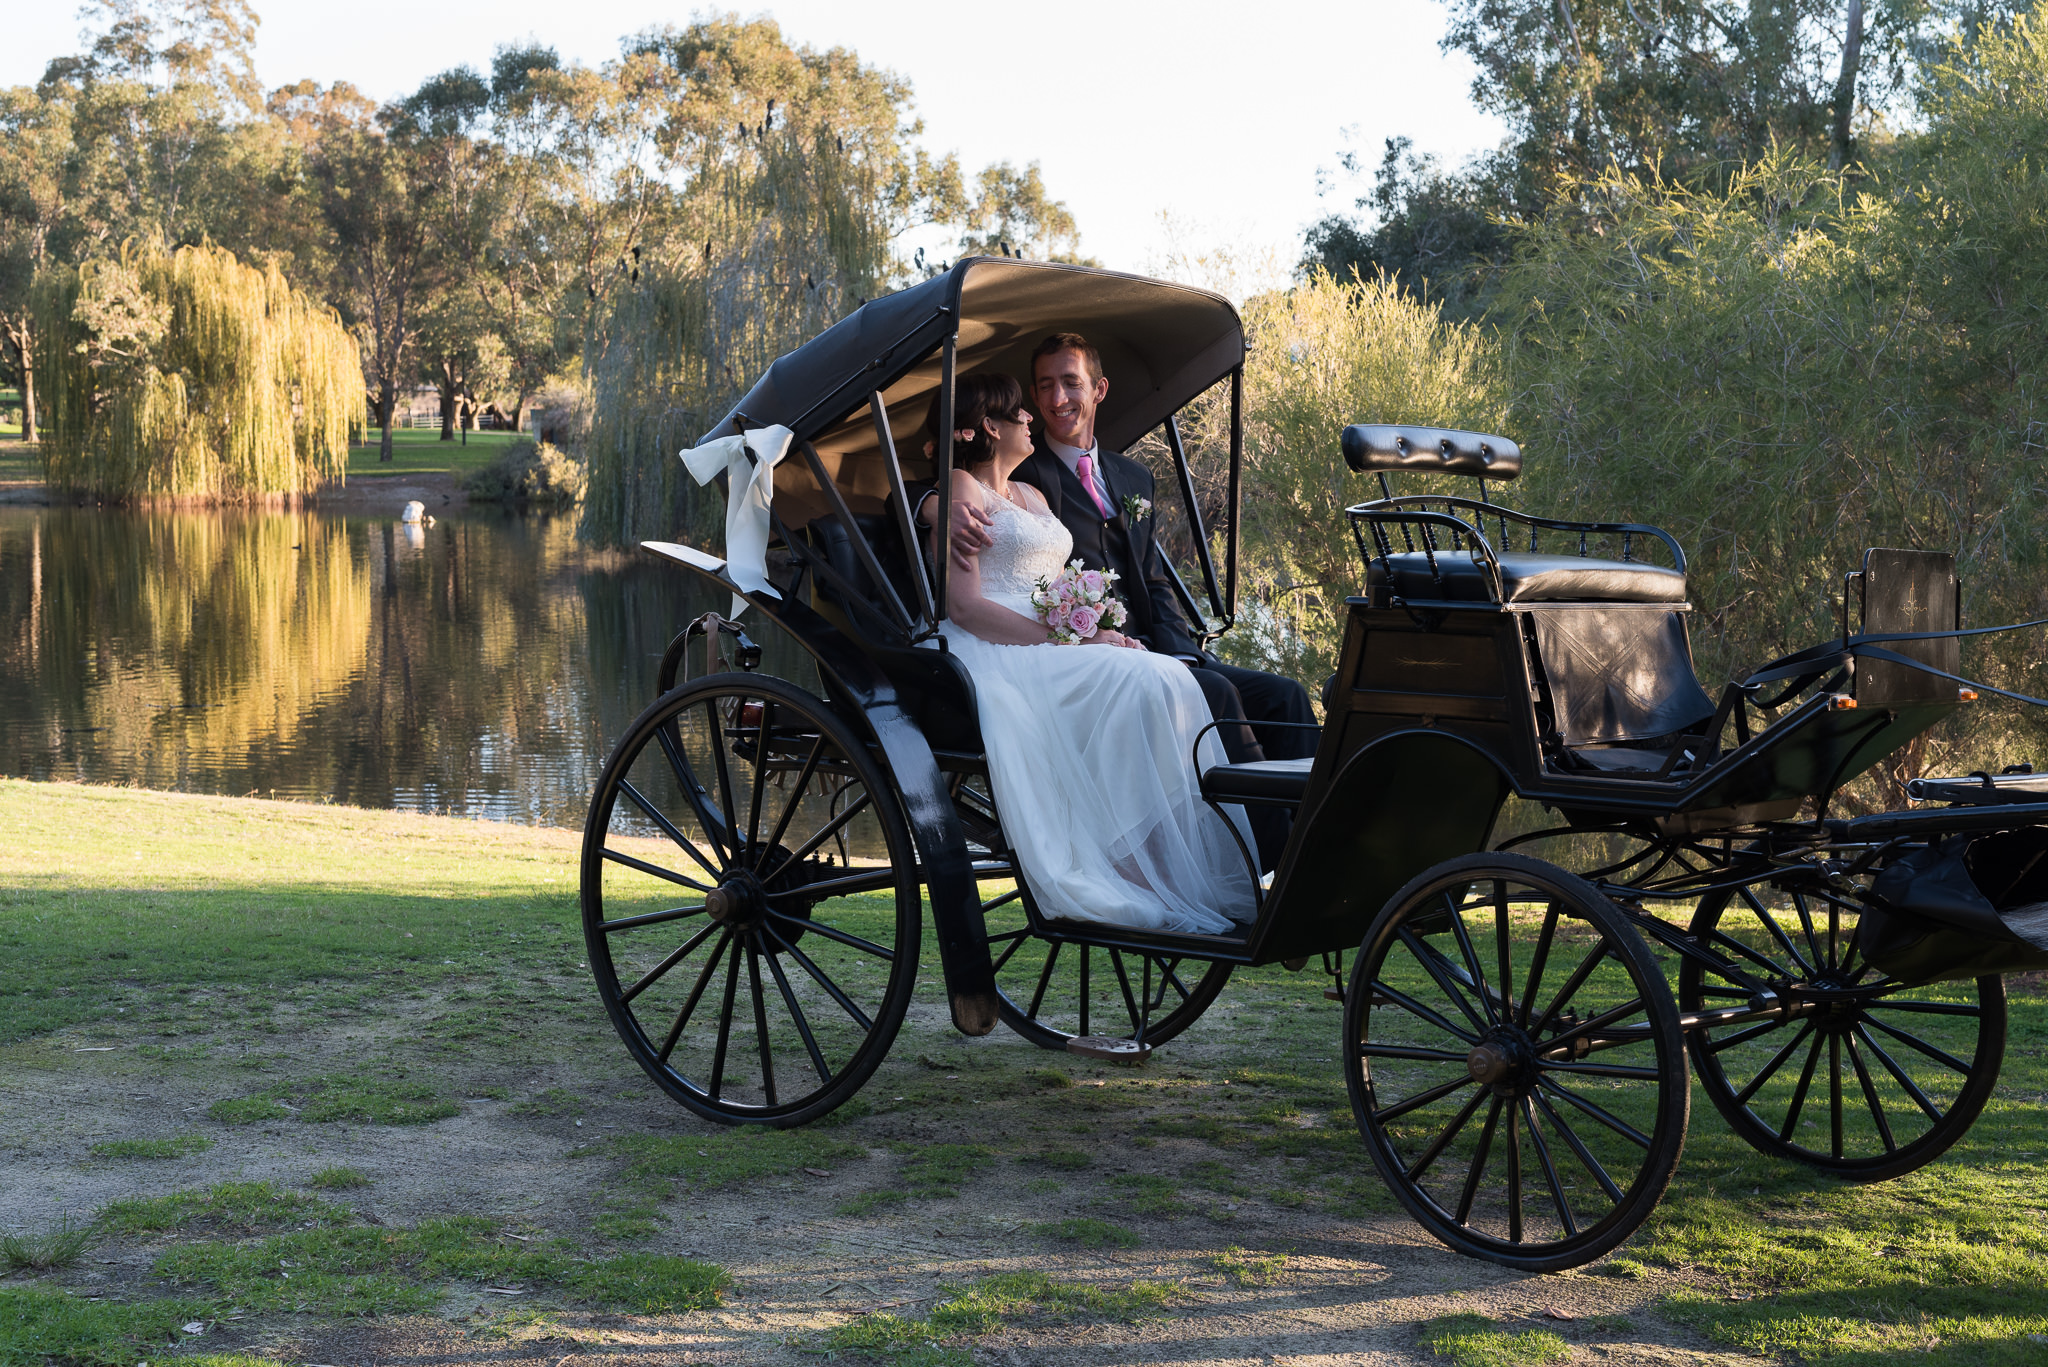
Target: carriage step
[(1109, 1048)]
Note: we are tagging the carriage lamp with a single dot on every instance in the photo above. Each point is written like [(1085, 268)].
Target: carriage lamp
[(1966, 695), (1840, 702)]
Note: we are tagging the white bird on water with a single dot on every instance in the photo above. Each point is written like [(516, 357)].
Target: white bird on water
[(416, 511)]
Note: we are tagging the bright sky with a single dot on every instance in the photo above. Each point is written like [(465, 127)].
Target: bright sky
[(1213, 114)]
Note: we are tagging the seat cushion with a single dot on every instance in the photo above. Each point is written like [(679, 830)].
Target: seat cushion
[(1268, 780), (1530, 578)]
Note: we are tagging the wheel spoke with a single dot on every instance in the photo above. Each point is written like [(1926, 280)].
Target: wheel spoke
[(669, 829), (1017, 942), (1806, 925), (1123, 981), (760, 770), (1447, 1134), (1834, 1085), (873, 880), (1777, 932), (832, 933), (653, 869), (821, 978), (689, 1007), (1906, 1084), (1438, 969), (824, 833), (1471, 958), (1478, 1168), (803, 1024), (1536, 964), (1578, 1147), (694, 792), (1503, 941), (723, 770), (1769, 1070), (1584, 1029), (1416, 1008), (1404, 1051), (796, 793), (1087, 953), (652, 918), (654, 974), (1044, 978), (1924, 1008), (1799, 1092), (732, 983), (1514, 1114), (1941, 1056), (1870, 1099), (1599, 1070), (1743, 1036), (1420, 1099), (761, 1010), (1571, 986), (1598, 1112)]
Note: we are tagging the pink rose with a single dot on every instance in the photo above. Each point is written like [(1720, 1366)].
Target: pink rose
[(1083, 620), (1057, 615), (1091, 583)]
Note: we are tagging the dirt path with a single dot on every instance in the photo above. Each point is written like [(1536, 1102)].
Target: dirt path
[(1271, 1257)]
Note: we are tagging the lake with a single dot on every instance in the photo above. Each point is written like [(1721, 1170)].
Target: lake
[(481, 667)]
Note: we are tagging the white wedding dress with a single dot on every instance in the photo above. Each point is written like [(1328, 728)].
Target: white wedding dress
[(1090, 753)]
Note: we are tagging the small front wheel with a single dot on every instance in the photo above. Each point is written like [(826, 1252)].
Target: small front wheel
[(1515, 1062), (751, 900)]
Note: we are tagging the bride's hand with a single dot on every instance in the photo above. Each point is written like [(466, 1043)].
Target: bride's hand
[(1106, 637)]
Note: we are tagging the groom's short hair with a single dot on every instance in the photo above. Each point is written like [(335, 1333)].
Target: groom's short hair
[(1068, 341)]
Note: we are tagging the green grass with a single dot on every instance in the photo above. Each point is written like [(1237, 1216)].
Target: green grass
[(337, 1179), (62, 1246), (380, 1098), (939, 1170), (985, 1306), (363, 1270), (420, 451), (246, 1207), (1062, 1160), (719, 1160), (1088, 1232), (39, 1326), (1476, 1341), (177, 1146), (1250, 1269), (17, 461), (268, 897), (553, 1102)]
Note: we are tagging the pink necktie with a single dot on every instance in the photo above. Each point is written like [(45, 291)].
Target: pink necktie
[(1085, 468)]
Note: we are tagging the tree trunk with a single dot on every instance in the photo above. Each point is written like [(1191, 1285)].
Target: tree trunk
[(445, 374), (1842, 145), (28, 401), (387, 401)]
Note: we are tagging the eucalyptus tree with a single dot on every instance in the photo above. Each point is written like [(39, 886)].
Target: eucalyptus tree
[(35, 138)]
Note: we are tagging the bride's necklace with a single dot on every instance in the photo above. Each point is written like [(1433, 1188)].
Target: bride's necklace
[(1003, 493)]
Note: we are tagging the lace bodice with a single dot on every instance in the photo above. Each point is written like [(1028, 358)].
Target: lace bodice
[(1025, 548)]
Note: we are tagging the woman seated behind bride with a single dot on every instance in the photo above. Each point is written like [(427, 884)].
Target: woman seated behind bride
[(1090, 745)]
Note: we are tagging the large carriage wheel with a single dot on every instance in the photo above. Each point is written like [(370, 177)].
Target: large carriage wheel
[(750, 901), (1092, 999), (1515, 1064), (1867, 1078)]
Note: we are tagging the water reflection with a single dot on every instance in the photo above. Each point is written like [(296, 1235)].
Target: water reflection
[(483, 666)]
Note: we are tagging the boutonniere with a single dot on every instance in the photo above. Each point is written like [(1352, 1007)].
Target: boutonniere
[(1135, 507)]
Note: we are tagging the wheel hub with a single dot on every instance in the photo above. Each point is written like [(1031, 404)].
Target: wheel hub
[(1502, 1061), (738, 901)]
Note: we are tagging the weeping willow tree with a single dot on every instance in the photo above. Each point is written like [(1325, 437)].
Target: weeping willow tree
[(186, 373), (794, 178)]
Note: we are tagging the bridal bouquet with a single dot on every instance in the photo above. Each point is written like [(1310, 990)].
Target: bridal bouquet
[(1076, 603)]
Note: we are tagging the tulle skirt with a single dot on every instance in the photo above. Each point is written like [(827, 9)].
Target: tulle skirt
[(1092, 756)]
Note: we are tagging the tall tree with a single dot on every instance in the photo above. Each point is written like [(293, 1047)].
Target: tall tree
[(35, 140), (371, 193)]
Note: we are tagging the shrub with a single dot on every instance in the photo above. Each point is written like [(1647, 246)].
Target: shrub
[(530, 474)]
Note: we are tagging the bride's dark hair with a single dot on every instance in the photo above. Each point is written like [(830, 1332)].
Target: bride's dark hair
[(975, 397)]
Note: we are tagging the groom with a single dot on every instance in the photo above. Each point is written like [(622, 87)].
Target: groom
[(1094, 492)]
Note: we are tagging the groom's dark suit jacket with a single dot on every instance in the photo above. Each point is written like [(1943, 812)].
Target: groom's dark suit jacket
[(1116, 542)]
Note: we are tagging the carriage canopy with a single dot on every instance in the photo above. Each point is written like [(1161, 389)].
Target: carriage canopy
[(1161, 343)]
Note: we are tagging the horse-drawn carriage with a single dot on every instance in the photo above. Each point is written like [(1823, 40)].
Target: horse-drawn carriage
[(761, 851)]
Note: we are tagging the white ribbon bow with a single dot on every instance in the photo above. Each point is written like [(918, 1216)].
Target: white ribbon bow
[(749, 461)]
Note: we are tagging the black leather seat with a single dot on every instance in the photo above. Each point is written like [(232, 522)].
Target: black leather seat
[(1528, 578), (1269, 780)]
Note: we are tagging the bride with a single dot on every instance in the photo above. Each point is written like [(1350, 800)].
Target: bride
[(1088, 745)]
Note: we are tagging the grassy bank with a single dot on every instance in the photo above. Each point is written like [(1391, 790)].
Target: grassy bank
[(420, 451), (335, 1011)]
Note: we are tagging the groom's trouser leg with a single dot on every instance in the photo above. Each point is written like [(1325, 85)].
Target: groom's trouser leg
[(1269, 824), (1267, 697)]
